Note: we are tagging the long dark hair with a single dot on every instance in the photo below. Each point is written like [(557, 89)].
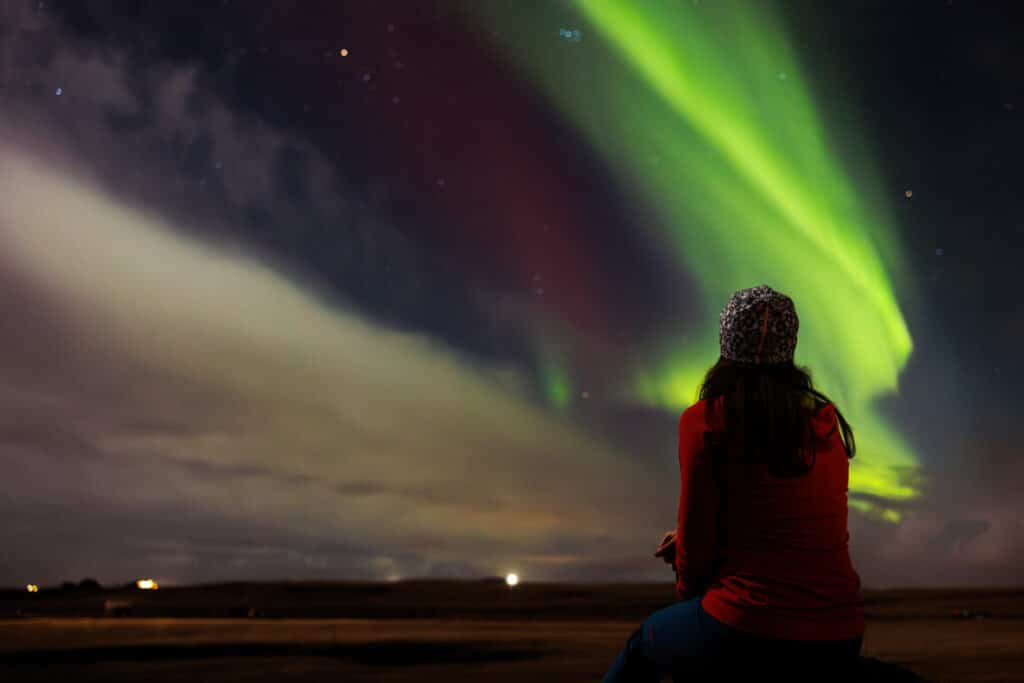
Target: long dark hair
[(767, 413)]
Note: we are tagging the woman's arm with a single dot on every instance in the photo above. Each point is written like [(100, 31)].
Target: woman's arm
[(697, 530)]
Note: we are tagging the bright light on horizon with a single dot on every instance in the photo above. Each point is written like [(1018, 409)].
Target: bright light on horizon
[(512, 579), (147, 584), (32, 588)]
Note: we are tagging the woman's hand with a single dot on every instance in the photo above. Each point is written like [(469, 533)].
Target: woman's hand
[(667, 548)]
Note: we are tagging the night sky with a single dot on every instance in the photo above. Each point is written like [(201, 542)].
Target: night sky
[(375, 290)]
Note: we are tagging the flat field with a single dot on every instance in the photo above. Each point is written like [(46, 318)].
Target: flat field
[(439, 631)]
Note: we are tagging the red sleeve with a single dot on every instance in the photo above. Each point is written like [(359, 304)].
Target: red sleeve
[(696, 550)]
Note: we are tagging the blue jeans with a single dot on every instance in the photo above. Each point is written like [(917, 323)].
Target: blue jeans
[(682, 639)]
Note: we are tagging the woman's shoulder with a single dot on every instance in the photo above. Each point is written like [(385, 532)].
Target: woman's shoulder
[(694, 410), (697, 414)]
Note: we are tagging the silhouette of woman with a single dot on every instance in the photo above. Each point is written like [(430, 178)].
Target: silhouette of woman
[(760, 549)]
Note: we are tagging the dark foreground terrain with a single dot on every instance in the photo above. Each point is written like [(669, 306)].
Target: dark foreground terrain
[(437, 631)]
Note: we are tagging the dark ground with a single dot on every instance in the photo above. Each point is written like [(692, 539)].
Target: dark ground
[(439, 630)]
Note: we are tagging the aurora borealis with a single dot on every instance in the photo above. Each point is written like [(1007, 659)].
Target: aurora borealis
[(701, 109), (421, 289)]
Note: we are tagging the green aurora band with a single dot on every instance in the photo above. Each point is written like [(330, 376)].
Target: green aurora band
[(701, 112)]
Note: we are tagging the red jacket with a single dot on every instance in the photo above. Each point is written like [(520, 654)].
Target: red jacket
[(769, 555)]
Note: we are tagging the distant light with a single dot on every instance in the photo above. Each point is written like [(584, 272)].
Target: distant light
[(147, 584), (344, 52), (32, 588), (59, 92), (908, 194), (512, 579)]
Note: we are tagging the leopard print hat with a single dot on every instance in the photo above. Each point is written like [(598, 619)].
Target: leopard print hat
[(758, 325)]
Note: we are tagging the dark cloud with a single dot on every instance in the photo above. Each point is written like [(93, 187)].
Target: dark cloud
[(272, 407), (214, 168)]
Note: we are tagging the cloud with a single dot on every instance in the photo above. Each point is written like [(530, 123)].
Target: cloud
[(197, 375), (963, 531), (162, 357), (162, 135)]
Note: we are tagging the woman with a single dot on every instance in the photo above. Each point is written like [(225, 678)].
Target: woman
[(763, 571)]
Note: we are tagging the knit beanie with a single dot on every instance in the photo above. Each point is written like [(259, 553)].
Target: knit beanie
[(758, 325)]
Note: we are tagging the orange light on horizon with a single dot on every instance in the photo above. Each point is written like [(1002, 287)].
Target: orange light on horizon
[(343, 52), (512, 579), (147, 584), (32, 588)]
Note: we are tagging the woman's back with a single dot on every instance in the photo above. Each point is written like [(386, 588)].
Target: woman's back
[(783, 565), (760, 549)]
